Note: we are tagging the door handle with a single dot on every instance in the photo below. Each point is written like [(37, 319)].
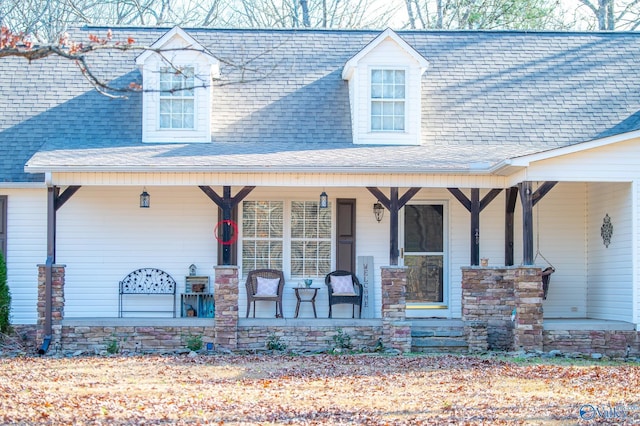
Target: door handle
[(402, 253)]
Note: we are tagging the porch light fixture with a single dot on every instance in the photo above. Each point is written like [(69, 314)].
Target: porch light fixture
[(324, 200), (378, 211), (145, 199)]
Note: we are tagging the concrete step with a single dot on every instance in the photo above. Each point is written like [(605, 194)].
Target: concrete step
[(438, 336), (437, 332)]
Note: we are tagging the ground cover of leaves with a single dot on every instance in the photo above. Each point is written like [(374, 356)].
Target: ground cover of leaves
[(314, 390)]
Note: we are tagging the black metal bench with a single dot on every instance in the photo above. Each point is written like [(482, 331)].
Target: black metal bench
[(149, 281)]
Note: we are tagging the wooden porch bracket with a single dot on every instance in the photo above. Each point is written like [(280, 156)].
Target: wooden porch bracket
[(475, 206), (226, 203), (529, 199), (393, 204)]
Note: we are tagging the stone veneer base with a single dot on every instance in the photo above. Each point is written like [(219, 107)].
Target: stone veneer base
[(92, 335)]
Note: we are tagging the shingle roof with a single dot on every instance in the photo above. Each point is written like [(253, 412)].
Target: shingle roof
[(487, 96)]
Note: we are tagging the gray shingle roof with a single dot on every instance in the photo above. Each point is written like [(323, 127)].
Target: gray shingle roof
[(487, 96)]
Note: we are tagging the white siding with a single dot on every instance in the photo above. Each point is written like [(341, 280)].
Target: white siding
[(615, 162), (103, 235), (559, 236), (326, 180), (610, 269), (26, 248)]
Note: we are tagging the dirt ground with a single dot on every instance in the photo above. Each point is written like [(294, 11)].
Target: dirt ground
[(315, 390)]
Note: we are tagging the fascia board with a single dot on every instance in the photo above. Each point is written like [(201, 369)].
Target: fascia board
[(252, 169)]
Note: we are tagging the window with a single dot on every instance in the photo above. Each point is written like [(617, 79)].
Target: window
[(310, 239), (262, 230), (387, 100), (301, 230), (177, 98)]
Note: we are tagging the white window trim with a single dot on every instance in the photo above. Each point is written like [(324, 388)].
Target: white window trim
[(286, 243), (370, 99), (196, 78)]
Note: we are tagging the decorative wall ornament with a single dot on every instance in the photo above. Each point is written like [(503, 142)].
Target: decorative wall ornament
[(606, 230)]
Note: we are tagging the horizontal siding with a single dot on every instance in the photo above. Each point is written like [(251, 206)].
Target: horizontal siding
[(280, 179), (26, 248), (103, 235), (610, 291), (559, 236), (616, 162)]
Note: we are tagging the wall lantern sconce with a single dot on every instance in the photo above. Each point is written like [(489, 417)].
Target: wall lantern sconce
[(324, 200), (378, 211), (145, 199)]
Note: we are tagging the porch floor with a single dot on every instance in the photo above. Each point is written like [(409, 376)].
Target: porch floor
[(561, 324), (200, 322), (549, 324)]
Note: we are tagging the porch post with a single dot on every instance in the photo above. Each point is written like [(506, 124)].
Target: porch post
[(393, 228), (527, 222), (510, 206), (225, 297), (396, 331), (475, 226), (227, 207)]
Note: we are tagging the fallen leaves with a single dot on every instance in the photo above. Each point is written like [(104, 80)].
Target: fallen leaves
[(310, 390)]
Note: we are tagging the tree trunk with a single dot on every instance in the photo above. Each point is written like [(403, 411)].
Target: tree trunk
[(305, 13)]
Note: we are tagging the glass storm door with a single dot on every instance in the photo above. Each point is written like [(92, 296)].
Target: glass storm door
[(423, 240)]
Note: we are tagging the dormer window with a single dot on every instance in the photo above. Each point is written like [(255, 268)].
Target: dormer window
[(177, 78), (387, 100), (385, 92), (177, 98)]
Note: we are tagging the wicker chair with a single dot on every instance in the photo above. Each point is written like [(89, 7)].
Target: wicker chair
[(352, 299), (252, 290)]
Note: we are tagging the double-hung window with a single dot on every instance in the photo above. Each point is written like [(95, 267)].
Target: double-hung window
[(388, 90), (263, 235), (310, 239), (299, 230), (177, 98)]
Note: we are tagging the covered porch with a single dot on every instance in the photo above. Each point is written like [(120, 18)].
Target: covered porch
[(549, 233)]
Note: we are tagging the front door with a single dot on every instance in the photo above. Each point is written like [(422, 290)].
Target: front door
[(423, 241)]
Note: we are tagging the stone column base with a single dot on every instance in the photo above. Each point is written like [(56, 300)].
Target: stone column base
[(226, 301)]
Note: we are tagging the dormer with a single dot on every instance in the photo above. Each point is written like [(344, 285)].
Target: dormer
[(385, 91), (177, 73)]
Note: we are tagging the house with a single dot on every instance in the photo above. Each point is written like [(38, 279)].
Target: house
[(434, 150)]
